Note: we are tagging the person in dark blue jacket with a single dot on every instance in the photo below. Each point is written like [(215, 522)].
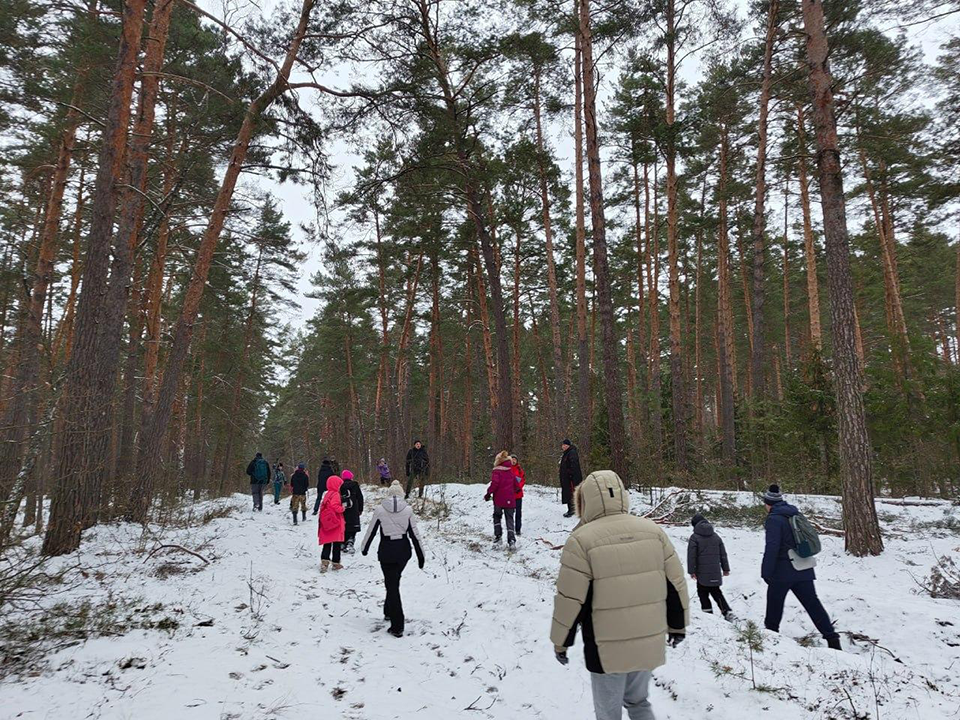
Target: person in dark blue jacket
[(780, 574)]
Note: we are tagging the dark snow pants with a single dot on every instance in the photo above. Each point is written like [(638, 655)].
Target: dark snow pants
[(256, 490), (807, 595), (393, 605), (418, 479), (705, 592), (498, 513), (277, 488), (518, 515)]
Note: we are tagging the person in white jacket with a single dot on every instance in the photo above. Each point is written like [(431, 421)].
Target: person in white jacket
[(397, 525)]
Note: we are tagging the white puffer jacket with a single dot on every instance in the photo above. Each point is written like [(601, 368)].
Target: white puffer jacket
[(397, 524)]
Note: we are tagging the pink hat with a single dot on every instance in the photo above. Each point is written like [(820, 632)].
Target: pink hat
[(346, 475)]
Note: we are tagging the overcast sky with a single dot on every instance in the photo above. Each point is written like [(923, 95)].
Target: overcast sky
[(297, 201)]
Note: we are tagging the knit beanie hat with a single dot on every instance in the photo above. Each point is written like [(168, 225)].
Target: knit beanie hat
[(395, 490), (697, 519), (773, 495), (566, 441), (346, 475), (299, 466)]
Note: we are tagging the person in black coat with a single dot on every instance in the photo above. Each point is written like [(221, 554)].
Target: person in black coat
[(299, 482), (707, 564), (780, 575), (418, 467), (570, 475), (325, 472), (352, 498)]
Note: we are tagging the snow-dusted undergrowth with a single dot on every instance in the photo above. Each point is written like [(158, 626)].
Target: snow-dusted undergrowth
[(259, 633)]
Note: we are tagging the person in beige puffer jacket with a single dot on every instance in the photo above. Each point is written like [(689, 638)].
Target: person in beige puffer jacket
[(622, 582)]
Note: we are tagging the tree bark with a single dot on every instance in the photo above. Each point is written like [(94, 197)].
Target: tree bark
[(583, 352), (861, 527), (810, 250), (725, 314), (613, 387), (86, 410), (154, 424), (758, 350)]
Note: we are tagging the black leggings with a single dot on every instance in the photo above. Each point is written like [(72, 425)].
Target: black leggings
[(393, 605), (325, 552)]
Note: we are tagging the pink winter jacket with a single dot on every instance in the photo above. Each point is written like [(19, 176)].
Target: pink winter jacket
[(332, 524), (503, 486)]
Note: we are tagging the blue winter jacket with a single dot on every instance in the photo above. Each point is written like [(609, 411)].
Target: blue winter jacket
[(776, 565)]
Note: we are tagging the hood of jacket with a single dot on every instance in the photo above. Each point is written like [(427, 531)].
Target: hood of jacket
[(784, 509), (703, 528), (600, 495), (505, 465), (334, 482), (394, 503)]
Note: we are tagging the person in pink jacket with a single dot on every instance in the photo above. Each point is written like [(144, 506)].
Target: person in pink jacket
[(503, 490), (332, 525)]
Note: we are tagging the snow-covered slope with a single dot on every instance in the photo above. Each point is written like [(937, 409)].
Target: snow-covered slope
[(260, 633)]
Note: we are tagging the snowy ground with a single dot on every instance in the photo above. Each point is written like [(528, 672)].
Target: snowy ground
[(259, 633)]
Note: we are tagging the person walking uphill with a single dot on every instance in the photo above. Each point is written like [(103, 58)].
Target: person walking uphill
[(323, 474), (622, 583), (781, 574), (707, 564), (259, 472), (279, 480), (503, 490), (418, 467), (570, 475), (397, 525), (332, 525), (352, 498), (299, 482), (521, 481)]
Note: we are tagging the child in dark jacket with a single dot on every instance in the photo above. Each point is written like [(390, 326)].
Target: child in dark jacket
[(352, 498), (707, 564)]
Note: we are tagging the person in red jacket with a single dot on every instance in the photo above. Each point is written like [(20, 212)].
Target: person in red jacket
[(521, 481), (332, 525), (503, 492)]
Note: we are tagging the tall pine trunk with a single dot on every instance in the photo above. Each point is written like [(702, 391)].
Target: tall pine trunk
[(83, 448), (861, 527), (584, 400), (613, 393)]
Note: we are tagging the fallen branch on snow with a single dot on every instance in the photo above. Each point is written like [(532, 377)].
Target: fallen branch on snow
[(176, 547)]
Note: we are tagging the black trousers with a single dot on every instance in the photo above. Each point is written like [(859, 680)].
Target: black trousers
[(331, 548), (807, 595), (518, 515), (393, 605), (349, 536), (705, 592)]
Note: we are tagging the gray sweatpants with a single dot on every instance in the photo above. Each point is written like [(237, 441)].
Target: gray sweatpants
[(256, 490), (614, 691)]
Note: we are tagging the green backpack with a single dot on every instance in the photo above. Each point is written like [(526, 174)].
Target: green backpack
[(261, 470), (808, 541)]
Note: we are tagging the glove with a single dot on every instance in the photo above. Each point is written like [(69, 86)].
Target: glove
[(421, 565), (561, 657), (363, 552), (674, 639), (486, 498)]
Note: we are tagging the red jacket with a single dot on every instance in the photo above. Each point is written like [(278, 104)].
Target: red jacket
[(521, 479), (332, 525), (503, 486)]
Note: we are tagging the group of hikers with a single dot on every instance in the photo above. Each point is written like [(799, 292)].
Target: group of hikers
[(621, 582)]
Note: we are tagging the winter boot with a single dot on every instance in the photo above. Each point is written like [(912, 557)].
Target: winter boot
[(395, 633), (337, 566), (569, 514), (324, 565), (834, 643), (497, 539), (304, 515), (294, 518)]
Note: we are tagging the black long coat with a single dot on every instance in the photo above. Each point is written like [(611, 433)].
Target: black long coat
[(351, 515), (570, 473)]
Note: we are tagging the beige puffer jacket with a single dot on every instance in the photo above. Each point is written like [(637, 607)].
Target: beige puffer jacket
[(621, 580)]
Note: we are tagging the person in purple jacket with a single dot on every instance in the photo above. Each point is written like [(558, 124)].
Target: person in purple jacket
[(503, 491)]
